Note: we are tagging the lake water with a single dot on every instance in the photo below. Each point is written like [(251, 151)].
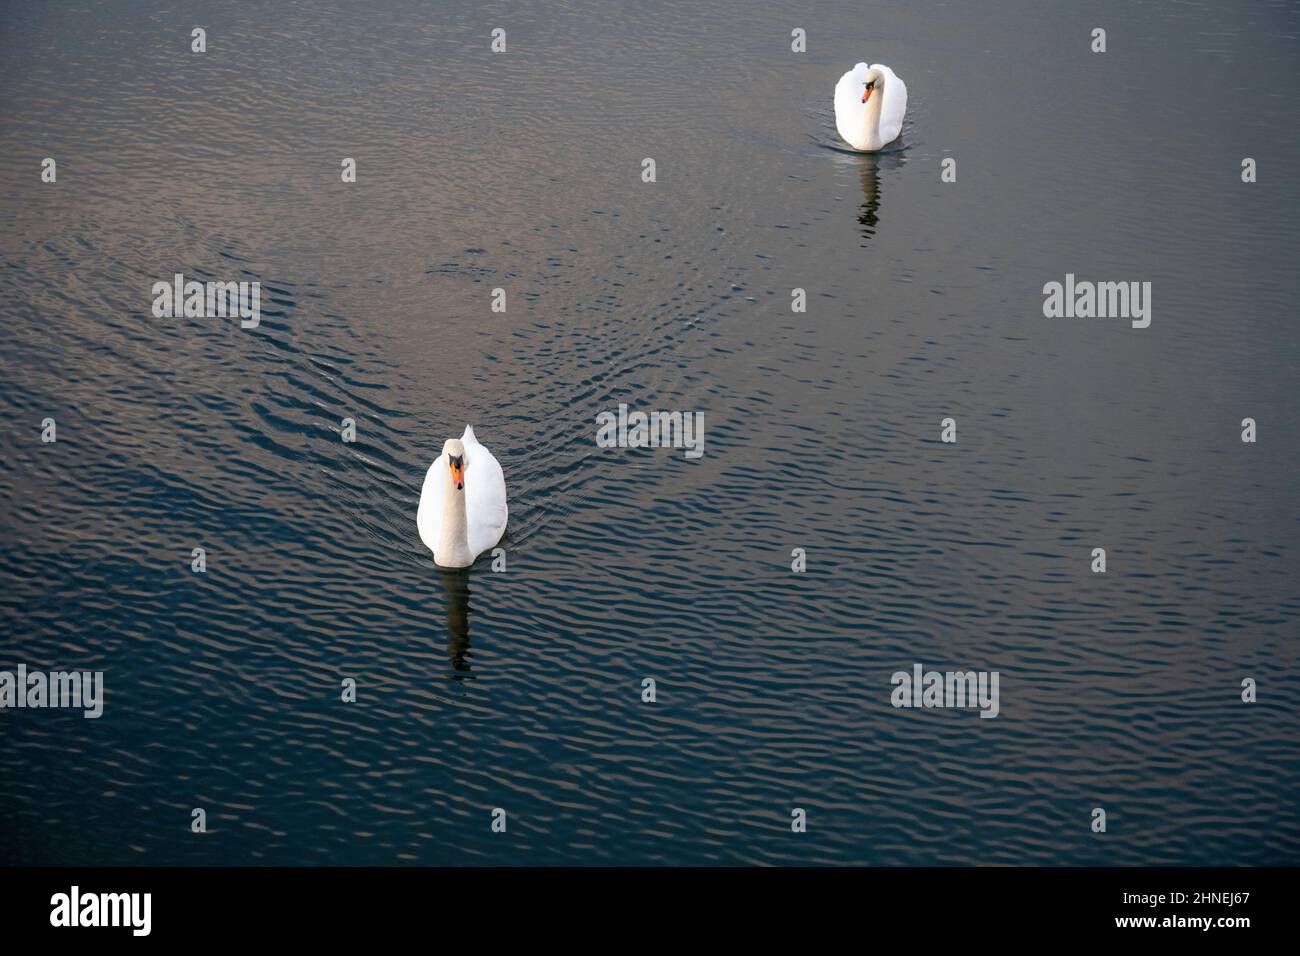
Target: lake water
[(522, 690)]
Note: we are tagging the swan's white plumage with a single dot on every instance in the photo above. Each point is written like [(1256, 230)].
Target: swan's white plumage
[(485, 498), (874, 124)]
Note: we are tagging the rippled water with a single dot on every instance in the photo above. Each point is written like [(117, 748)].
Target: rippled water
[(522, 690)]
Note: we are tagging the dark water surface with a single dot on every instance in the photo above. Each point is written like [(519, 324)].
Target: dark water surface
[(522, 690)]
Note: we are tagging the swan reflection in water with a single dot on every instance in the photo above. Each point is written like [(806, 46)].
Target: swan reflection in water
[(455, 589), (870, 168)]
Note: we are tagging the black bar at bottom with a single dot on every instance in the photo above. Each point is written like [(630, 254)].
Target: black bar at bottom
[(331, 905)]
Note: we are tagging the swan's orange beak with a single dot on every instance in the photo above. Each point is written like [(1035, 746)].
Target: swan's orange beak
[(457, 475), (866, 94)]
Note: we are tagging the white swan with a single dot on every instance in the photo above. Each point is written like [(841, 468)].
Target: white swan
[(869, 105), (463, 504)]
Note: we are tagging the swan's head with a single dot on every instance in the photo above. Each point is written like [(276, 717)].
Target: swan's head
[(873, 81), (454, 451)]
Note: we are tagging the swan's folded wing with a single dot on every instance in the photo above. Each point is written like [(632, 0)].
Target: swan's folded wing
[(485, 499), (893, 109), (848, 93), (428, 517)]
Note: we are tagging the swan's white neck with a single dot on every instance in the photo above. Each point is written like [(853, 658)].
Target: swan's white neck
[(453, 535), (871, 115)]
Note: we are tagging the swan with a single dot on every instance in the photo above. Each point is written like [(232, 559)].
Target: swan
[(869, 105), (462, 509)]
